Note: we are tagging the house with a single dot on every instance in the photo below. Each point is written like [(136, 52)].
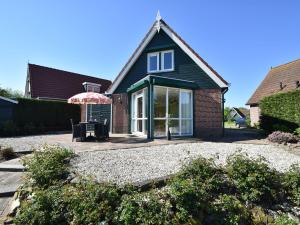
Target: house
[(53, 84), (238, 116), (6, 108), (166, 84), (280, 79)]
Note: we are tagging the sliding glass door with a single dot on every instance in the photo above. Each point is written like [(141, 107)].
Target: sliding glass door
[(173, 110)]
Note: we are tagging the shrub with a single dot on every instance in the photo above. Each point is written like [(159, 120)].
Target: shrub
[(48, 166), (285, 220), (282, 137), (297, 132), (45, 207), (8, 128), (7, 153), (31, 116), (200, 168), (189, 199), (259, 217), (144, 208), (292, 184), (282, 108), (228, 210), (90, 203), (254, 179), (281, 127)]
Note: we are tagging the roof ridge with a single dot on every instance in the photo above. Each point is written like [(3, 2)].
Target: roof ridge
[(276, 67), (52, 68)]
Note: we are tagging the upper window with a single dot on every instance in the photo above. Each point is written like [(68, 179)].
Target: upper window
[(167, 60), (160, 61), (153, 62), (91, 87)]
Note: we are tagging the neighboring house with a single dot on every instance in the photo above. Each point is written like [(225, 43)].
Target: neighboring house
[(282, 78), (6, 109), (52, 84), (165, 84), (237, 116)]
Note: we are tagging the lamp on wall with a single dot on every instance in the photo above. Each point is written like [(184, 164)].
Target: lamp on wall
[(120, 99)]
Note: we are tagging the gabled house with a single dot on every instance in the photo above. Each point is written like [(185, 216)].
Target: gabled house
[(237, 116), (166, 85), (280, 79), (53, 84)]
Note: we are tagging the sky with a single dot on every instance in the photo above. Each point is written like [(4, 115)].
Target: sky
[(241, 40)]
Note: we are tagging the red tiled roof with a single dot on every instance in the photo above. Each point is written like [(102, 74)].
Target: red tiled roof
[(52, 83), (282, 78)]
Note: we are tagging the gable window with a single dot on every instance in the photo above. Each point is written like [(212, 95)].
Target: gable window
[(91, 87), (167, 60), (160, 61), (153, 62)]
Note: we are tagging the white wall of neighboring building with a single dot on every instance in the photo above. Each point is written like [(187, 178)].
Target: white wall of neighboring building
[(254, 115)]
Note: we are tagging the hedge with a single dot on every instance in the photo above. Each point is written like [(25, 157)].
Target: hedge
[(31, 116), (281, 111)]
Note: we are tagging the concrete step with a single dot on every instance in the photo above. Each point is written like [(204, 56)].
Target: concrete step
[(13, 165), (8, 190), (12, 168)]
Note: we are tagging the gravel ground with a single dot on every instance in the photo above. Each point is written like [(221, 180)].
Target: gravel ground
[(142, 164)]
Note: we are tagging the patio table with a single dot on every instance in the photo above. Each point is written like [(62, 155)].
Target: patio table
[(90, 123)]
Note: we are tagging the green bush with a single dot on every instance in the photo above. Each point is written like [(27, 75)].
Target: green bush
[(297, 131), (228, 210), (280, 109), (254, 179), (144, 208), (46, 207), (48, 166), (281, 127), (90, 203), (285, 220), (31, 116), (292, 184)]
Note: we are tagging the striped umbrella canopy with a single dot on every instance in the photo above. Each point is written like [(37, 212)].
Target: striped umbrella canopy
[(89, 98)]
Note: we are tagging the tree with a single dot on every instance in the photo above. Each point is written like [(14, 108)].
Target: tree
[(226, 113), (9, 93)]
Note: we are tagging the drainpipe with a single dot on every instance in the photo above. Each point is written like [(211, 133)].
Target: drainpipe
[(223, 101)]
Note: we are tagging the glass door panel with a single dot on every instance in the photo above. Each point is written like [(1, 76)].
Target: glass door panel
[(173, 103)]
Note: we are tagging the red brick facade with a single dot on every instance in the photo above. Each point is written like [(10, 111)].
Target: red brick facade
[(120, 113), (208, 117)]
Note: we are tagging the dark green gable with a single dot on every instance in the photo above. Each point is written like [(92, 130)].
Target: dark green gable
[(185, 67)]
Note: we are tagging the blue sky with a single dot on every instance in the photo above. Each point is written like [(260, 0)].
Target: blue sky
[(239, 39)]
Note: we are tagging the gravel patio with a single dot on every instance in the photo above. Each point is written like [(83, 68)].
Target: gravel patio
[(139, 165)]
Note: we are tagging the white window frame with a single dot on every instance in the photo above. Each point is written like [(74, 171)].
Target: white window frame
[(163, 60), (157, 62), (180, 118), (134, 119)]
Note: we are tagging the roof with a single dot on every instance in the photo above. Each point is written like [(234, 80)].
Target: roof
[(239, 112), (8, 100), (161, 24), (53, 83), (282, 78)]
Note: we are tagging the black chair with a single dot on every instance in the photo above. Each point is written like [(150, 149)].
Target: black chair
[(102, 130), (78, 131)]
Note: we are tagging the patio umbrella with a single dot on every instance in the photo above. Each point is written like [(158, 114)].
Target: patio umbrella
[(89, 98)]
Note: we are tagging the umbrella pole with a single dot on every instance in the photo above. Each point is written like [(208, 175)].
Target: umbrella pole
[(86, 112)]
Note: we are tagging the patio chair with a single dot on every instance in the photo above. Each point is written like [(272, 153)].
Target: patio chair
[(101, 130), (78, 131)]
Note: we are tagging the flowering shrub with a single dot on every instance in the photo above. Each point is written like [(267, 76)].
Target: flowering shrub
[(282, 137)]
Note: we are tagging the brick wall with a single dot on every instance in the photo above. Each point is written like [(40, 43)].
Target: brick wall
[(120, 113), (254, 115), (208, 117)]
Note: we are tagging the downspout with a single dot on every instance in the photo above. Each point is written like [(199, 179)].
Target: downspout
[(223, 101)]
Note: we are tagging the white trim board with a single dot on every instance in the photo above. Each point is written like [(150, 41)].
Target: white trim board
[(180, 43), (9, 100)]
